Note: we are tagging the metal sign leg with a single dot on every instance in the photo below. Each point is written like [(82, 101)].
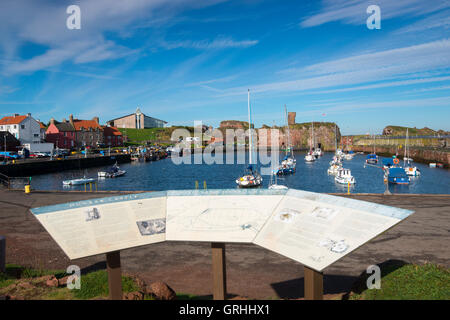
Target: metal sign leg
[(219, 271), (313, 284), (114, 275)]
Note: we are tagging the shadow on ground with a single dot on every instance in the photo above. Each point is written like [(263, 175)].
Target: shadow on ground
[(334, 284)]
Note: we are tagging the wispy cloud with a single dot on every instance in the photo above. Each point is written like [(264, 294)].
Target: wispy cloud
[(363, 68), (44, 23), (218, 43), (354, 11)]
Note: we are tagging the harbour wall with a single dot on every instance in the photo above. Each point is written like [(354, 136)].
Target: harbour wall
[(34, 167), (424, 155)]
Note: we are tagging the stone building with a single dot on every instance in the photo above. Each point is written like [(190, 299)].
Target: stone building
[(75, 133), (136, 120)]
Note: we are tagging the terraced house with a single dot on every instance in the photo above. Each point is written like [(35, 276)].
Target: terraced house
[(76, 133)]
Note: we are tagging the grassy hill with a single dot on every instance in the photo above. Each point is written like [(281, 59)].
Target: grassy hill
[(152, 134)]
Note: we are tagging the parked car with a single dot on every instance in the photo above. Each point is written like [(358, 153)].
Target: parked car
[(10, 155)]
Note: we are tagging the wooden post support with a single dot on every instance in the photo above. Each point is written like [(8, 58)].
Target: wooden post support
[(2, 254), (219, 271), (313, 284), (114, 275)]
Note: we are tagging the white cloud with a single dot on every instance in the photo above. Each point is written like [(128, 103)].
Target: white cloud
[(364, 68), (218, 43), (44, 23), (354, 11)]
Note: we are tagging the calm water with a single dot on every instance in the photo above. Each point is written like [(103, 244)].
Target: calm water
[(165, 175)]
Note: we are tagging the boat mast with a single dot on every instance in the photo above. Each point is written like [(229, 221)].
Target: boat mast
[(250, 149), (288, 132), (335, 138)]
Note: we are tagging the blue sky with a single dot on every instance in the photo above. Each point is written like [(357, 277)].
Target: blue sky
[(189, 60)]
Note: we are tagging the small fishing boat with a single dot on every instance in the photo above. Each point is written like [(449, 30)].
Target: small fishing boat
[(372, 158), (344, 176), (113, 172), (412, 171), (396, 175), (74, 182), (432, 165)]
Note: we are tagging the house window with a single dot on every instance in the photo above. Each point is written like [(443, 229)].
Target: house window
[(36, 135), (15, 126), (22, 126)]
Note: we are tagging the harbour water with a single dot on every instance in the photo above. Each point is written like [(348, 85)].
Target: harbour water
[(166, 175)]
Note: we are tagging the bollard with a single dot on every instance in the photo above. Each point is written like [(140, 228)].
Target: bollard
[(348, 187), (2, 254), (27, 188), (196, 184), (204, 184)]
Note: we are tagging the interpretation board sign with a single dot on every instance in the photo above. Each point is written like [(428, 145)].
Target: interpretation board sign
[(318, 229), (91, 227), (231, 215), (311, 228)]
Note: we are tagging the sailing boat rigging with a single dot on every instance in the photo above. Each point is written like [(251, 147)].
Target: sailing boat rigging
[(289, 163), (409, 169), (310, 155), (251, 177)]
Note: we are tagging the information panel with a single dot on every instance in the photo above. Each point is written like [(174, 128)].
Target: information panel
[(226, 216), (311, 228), (317, 230), (103, 225)]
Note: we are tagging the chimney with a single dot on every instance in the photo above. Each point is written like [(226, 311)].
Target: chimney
[(291, 117), (16, 115), (71, 119), (52, 121), (96, 119), (28, 114), (64, 120)]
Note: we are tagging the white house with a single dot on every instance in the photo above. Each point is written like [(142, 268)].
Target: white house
[(24, 128)]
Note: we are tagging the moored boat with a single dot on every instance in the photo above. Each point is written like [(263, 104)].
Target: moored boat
[(396, 175), (344, 176), (251, 178), (74, 182)]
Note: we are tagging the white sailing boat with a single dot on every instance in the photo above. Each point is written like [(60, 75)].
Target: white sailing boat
[(310, 155), (336, 163), (251, 177), (289, 163), (409, 169), (273, 185)]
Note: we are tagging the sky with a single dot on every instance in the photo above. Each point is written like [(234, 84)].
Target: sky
[(187, 60)]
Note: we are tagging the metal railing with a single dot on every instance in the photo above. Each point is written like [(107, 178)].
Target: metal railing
[(14, 183)]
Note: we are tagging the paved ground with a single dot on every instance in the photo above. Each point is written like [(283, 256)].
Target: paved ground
[(252, 271)]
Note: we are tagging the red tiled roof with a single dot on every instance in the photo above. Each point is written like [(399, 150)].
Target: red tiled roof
[(86, 124), (42, 125), (12, 120), (111, 131)]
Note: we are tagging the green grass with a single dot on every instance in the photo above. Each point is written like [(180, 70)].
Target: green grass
[(95, 284), (151, 134), (410, 282)]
